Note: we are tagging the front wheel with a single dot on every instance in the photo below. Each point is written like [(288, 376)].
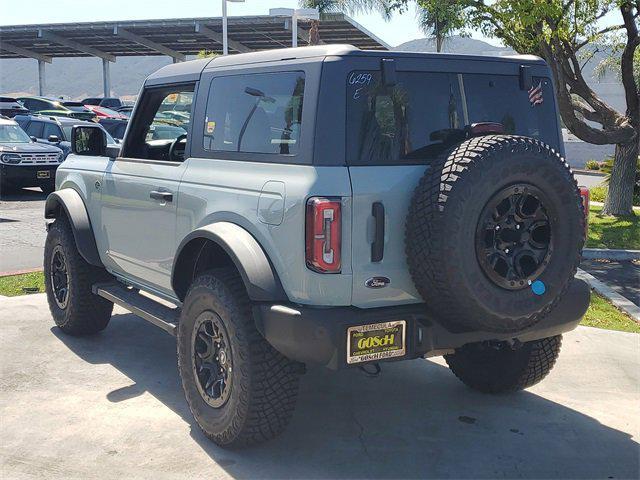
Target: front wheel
[(68, 281), (240, 390), (499, 367)]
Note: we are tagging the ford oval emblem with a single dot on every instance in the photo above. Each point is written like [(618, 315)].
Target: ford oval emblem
[(377, 282)]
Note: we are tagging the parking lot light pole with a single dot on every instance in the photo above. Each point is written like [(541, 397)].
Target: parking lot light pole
[(295, 14), (225, 40)]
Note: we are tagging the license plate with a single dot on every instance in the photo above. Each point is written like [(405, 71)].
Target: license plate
[(43, 174), (376, 341)]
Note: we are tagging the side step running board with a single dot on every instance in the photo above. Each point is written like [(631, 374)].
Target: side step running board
[(144, 307)]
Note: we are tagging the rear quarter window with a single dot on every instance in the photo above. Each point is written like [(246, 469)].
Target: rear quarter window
[(426, 113), (255, 113)]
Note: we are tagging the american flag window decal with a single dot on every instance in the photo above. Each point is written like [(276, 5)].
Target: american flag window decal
[(535, 95)]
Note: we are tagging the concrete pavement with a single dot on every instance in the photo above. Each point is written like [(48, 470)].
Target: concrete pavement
[(111, 406)]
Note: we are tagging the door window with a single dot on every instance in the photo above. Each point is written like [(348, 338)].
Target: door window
[(159, 130), (34, 129), (51, 129), (259, 113)]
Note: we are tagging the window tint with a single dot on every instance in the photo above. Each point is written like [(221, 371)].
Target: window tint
[(424, 114), (163, 117), (52, 129), (35, 129), (259, 113), (498, 98)]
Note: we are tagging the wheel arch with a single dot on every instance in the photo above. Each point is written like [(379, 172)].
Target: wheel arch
[(224, 244), (69, 203)]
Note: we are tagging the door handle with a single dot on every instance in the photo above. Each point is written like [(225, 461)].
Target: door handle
[(162, 196), (377, 247)]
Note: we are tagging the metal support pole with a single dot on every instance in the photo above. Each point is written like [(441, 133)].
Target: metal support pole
[(106, 78), (294, 29), (41, 78), (225, 46)]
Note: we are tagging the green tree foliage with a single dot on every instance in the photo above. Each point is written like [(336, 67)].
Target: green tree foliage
[(351, 7), (441, 19)]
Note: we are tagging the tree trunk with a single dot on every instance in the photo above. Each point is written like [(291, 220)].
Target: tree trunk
[(314, 33), (619, 200), (439, 42)]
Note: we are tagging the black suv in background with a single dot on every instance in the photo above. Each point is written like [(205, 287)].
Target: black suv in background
[(11, 107), (52, 130), (25, 163)]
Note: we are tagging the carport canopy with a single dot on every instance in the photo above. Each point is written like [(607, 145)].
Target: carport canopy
[(176, 38)]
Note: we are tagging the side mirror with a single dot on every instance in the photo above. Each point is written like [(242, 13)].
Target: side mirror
[(88, 140), (33, 138), (53, 139)]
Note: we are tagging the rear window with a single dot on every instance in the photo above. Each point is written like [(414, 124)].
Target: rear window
[(259, 113), (424, 114)]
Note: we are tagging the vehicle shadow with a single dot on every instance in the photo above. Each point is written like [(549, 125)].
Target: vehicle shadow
[(23, 195), (413, 421)]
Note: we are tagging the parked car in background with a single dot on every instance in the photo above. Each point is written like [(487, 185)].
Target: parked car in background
[(11, 107), (81, 111), (25, 163), (109, 102), (115, 126), (55, 107), (104, 112), (53, 130)]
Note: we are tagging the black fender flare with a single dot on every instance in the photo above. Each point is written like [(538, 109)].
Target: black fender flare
[(73, 206), (258, 275)]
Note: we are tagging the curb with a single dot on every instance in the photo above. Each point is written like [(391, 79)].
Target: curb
[(593, 173), (21, 272), (614, 297), (610, 254)]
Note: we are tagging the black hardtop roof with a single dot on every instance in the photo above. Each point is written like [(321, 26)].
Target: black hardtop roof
[(191, 70)]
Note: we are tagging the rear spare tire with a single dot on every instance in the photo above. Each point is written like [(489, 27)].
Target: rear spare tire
[(494, 233)]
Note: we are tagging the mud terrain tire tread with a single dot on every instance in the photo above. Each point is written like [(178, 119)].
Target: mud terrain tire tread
[(265, 383), (427, 244), (505, 371), (85, 313)]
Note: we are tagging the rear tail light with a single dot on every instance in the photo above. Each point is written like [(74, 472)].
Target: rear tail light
[(585, 196), (323, 234)]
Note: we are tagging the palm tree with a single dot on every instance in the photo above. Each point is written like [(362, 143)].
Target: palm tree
[(352, 7), (440, 19)]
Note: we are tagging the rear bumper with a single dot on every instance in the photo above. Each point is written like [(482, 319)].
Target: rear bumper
[(28, 175), (318, 336)]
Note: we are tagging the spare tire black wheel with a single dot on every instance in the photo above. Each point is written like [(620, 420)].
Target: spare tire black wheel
[(494, 234)]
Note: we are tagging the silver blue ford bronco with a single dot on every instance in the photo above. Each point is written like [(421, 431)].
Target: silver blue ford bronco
[(326, 206)]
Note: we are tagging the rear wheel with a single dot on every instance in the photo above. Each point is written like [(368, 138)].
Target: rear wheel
[(499, 367), (240, 390), (68, 281)]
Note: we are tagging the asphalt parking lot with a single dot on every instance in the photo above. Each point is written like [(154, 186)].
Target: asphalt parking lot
[(111, 406)]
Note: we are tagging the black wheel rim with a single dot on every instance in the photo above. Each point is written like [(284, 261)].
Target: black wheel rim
[(513, 237), (212, 360), (59, 277)]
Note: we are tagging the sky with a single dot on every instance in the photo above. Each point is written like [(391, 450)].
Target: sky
[(400, 29)]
